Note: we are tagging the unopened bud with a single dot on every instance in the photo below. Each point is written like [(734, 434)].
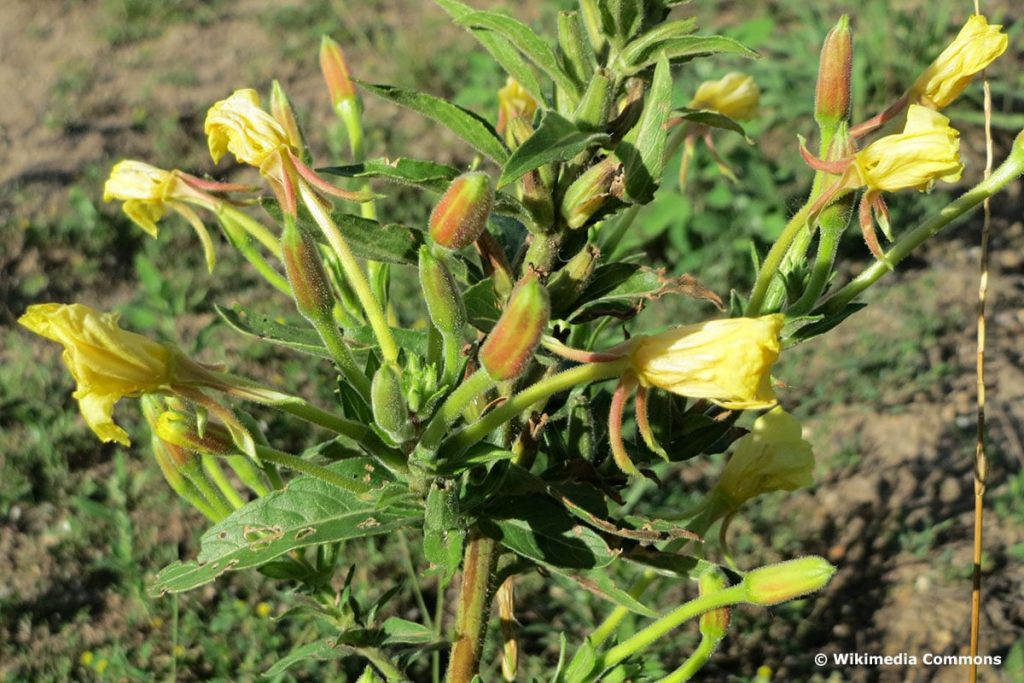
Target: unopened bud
[(178, 429), (306, 275), (832, 97), (566, 286), (387, 399), (576, 50), (775, 583), (714, 624), (589, 192), (335, 71), (595, 105), (441, 292), (509, 348), (281, 109), (461, 214)]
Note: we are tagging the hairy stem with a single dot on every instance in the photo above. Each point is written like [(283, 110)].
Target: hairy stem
[(474, 600)]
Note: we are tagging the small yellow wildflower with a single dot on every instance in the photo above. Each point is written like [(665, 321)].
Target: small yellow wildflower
[(239, 125), (108, 363), (735, 95), (728, 361), (927, 150), (772, 457), (86, 658), (263, 610), (976, 46)]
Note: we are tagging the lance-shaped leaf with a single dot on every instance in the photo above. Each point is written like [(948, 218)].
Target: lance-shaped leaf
[(622, 289), (307, 512), (526, 41), (427, 175), (649, 44), (711, 118), (686, 48), (556, 139), (321, 650), (464, 123), (600, 584), (500, 48), (642, 151), (482, 308), (541, 530), (304, 338)]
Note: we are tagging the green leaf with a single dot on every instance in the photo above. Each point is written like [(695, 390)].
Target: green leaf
[(481, 302), (427, 175), (526, 41), (303, 339), (711, 118), (541, 530), (687, 48), (411, 340), (619, 293), (307, 512), (824, 323), (646, 47), (464, 123), (556, 139), (321, 650), (600, 584), (642, 151), (501, 49), (398, 630)]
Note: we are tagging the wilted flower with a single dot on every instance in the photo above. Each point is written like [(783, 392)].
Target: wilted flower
[(976, 46), (728, 361), (238, 124), (927, 150), (108, 363), (514, 101), (735, 95), (772, 457)]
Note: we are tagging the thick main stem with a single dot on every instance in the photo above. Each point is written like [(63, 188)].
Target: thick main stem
[(474, 601)]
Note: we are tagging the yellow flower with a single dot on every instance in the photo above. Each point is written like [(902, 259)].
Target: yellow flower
[(240, 126), (726, 361), (736, 95), (975, 47), (927, 150), (107, 362), (772, 457), (514, 101)]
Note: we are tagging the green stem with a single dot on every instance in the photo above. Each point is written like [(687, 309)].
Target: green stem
[(310, 413), (451, 347), (563, 381), (214, 470), (194, 473), (771, 263), (694, 663), (342, 355), (474, 600), (292, 462), (252, 226), (821, 272), (248, 473), (414, 579), (1008, 171), (353, 274), (452, 408), (383, 664), (667, 623)]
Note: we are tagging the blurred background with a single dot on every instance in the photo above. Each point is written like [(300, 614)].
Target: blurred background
[(888, 398)]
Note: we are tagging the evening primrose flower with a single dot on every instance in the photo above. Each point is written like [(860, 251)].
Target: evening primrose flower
[(728, 361), (735, 95), (976, 46), (107, 362), (772, 457), (514, 101)]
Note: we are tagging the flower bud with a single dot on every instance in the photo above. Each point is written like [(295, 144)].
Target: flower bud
[(595, 106), (576, 52), (306, 275), (461, 214), (589, 192), (832, 96), (509, 348), (976, 46), (776, 583), (281, 110), (714, 624), (735, 95), (441, 292), (387, 399), (566, 286), (335, 70), (178, 429)]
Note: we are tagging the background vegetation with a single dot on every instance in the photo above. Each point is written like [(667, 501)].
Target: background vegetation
[(83, 526)]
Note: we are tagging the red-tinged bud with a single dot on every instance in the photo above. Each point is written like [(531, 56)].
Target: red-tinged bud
[(776, 583), (178, 429), (509, 348), (281, 110), (336, 73), (460, 216), (714, 624), (387, 399), (832, 97), (589, 192), (310, 286), (441, 292)]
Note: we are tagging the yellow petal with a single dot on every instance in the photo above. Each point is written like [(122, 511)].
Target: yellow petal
[(927, 150), (976, 46), (239, 125), (735, 95)]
